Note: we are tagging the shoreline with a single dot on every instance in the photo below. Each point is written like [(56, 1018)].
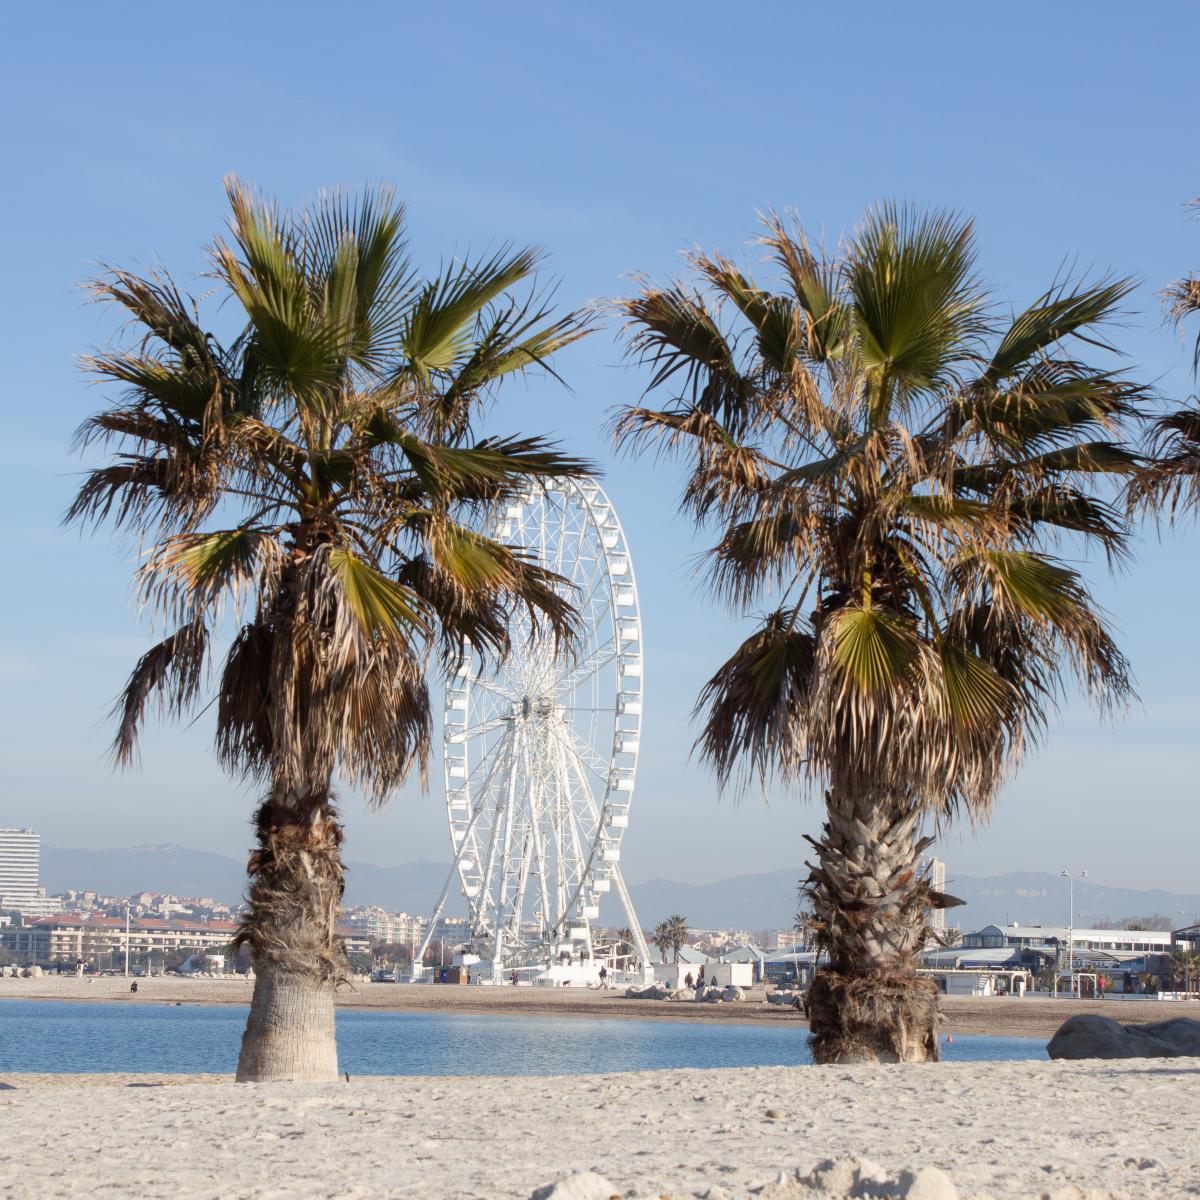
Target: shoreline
[(987, 1016)]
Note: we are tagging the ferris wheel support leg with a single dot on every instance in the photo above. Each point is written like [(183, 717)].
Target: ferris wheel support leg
[(418, 962), (635, 928)]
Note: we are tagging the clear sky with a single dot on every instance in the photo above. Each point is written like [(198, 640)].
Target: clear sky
[(614, 135)]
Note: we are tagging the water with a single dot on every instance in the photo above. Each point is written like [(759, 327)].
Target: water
[(52, 1036)]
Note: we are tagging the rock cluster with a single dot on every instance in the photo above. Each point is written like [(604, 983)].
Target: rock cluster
[(833, 1179), (1101, 1037), (711, 995)]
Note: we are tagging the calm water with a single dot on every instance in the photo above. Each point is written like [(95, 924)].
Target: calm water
[(45, 1035)]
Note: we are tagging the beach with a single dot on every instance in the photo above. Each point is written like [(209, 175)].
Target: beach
[(998, 1129), (994, 1016)]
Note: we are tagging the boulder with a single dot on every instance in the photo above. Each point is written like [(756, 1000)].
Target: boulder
[(732, 992), (1101, 1037), (582, 1185), (653, 992), (34, 972), (788, 998)]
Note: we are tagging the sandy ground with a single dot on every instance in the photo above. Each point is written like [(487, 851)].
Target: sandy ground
[(998, 1016), (1000, 1129)]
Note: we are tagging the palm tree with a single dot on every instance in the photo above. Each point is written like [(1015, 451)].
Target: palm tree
[(889, 463), (313, 477), (1169, 482), (677, 932), (664, 939)]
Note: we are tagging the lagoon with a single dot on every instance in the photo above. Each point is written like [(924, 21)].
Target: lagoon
[(61, 1037)]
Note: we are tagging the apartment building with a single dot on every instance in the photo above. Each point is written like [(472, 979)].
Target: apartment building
[(20, 863)]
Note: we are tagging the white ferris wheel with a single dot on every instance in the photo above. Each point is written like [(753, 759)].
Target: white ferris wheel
[(540, 756)]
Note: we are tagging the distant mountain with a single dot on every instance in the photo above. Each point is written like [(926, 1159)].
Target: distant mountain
[(411, 887), (173, 869), (768, 901), (765, 900)]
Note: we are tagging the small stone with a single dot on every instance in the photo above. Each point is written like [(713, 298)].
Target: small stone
[(773, 1114), (582, 1185)]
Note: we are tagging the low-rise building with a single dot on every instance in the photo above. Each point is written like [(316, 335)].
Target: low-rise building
[(1112, 943), (68, 938)]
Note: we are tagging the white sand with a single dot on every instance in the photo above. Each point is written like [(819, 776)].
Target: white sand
[(999, 1129)]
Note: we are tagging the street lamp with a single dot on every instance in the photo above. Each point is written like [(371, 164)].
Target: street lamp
[(1071, 925)]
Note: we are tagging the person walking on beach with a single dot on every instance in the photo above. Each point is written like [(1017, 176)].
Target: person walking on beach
[(688, 981), (514, 977)]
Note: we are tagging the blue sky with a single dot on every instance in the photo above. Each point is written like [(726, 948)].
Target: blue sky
[(615, 136)]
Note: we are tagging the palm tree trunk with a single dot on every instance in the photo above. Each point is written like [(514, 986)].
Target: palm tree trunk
[(870, 906), (296, 884)]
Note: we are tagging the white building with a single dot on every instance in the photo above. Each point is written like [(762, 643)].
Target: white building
[(1113, 943), (20, 860), (937, 881)]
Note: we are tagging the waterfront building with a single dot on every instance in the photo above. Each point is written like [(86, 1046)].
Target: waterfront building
[(1050, 939), (20, 862), (68, 938)]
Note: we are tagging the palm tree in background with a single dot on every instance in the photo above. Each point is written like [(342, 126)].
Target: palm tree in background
[(313, 478), (677, 933), (663, 941), (1169, 482), (890, 464)]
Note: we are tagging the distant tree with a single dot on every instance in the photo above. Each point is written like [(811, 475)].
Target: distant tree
[(1186, 967), (947, 938), (438, 954), (1159, 923), (662, 939), (393, 952), (677, 932), (804, 922)]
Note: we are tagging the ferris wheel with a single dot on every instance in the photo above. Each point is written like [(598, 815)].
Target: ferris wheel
[(540, 755)]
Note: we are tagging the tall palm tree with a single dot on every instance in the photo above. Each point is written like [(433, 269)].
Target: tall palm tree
[(314, 477), (889, 464), (1169, 482)]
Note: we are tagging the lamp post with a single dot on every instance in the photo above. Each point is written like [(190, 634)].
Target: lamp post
[(1071, 925)]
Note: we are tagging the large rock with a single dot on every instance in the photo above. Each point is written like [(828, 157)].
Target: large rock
[(583, 1185), (732, 992), (1102, 1037), (653, 992), (782, 997)]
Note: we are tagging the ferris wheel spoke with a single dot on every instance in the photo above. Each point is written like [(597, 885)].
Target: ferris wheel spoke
[(477, 730), (487, 686), (582, 672)]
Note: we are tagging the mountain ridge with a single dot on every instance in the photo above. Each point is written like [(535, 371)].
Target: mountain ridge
[(753, 901)]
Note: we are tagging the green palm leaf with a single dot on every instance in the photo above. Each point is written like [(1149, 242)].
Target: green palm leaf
[(873, 649)]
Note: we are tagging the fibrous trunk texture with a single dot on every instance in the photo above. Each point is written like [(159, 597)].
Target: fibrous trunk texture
[(870, 904), (296, 884)]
